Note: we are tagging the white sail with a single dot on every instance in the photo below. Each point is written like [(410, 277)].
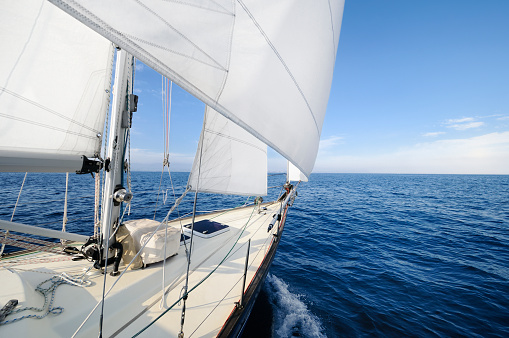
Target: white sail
[(294, 174), (266, 65), (55, 76), (229, 160)]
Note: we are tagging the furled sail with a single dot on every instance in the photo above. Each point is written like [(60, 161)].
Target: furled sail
[(229, 160), (266, 65), (55, 76), (294, 174)]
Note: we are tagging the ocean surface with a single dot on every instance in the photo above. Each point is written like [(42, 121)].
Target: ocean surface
[(361, 255)]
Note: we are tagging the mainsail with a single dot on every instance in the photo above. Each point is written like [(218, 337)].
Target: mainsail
[(265, 65), (55, 76), (229, 160)]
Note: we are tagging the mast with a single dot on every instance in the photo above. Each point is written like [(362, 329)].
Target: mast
[(120, 121)]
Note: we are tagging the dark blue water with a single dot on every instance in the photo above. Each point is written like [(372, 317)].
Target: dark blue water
[(362, 254)]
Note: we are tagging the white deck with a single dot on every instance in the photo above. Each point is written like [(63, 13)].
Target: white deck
[(135, 300)]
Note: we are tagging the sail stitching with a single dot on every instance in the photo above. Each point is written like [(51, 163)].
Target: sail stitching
[(333, 35), (233, 138), (228, 55), (177, 31), (131, 37), (2, 89), (281, 60), (47, 126)]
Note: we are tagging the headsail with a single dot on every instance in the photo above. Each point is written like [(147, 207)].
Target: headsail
[(265, 65), (55, 78), (229, 160), (294, 174)]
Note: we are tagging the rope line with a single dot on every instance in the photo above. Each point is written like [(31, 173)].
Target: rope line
[(64, 219), (13, 212), (48, 292)]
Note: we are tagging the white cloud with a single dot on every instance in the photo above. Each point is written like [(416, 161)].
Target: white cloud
[(465, 119), (464, 123), (502, 118), (433, 134), (486, 154), (465, 126), (139, 66)]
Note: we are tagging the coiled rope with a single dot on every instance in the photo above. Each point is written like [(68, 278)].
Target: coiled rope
[(48, 289)]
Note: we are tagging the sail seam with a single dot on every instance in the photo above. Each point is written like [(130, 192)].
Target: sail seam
[(2, 89), (216, 66), (333, 35), (47, 126), (228, 56), (234, 139), (177, 31), (271, 45)]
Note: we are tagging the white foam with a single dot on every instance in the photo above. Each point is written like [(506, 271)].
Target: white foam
[(292, 318)]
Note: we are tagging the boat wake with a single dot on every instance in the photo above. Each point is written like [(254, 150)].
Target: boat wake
[(292, 318)]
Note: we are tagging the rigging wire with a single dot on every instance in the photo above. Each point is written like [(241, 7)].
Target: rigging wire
[(13, 212), (186, 286), (166, 91)]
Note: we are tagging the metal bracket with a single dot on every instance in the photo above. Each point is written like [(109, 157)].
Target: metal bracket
[(7, 309), (90, 166)]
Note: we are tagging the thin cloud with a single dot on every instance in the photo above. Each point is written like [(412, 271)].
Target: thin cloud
[(330, 142), (465, 119), (465, 126), (433, 134), (485, 154)]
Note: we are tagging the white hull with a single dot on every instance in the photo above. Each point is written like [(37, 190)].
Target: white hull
[(135, 300)]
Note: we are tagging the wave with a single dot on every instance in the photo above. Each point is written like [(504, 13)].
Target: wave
[(292, 318)]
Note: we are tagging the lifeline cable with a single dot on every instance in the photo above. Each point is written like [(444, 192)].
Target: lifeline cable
[(12, 217)]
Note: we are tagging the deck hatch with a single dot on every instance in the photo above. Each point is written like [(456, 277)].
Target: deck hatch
[(207, 228)]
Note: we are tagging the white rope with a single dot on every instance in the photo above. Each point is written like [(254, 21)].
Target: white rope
[(14, 211), (64, 220), (97, 196), (129, 168)]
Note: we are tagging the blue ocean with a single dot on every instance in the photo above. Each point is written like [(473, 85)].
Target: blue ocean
[(361, 255)]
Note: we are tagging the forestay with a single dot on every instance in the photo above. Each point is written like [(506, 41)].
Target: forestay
[(266, 65), (229, 160), (54, 88)]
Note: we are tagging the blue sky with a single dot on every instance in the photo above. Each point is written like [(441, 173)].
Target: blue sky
[(419, 87)]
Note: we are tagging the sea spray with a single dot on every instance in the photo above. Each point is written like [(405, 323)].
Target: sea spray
[(292, 318)]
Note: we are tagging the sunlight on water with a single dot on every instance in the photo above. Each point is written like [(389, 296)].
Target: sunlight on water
[(292, 318)]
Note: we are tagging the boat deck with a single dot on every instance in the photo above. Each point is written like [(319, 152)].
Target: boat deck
[(135, 300)]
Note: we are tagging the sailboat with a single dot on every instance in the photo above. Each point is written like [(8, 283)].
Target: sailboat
[(263, 70)]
